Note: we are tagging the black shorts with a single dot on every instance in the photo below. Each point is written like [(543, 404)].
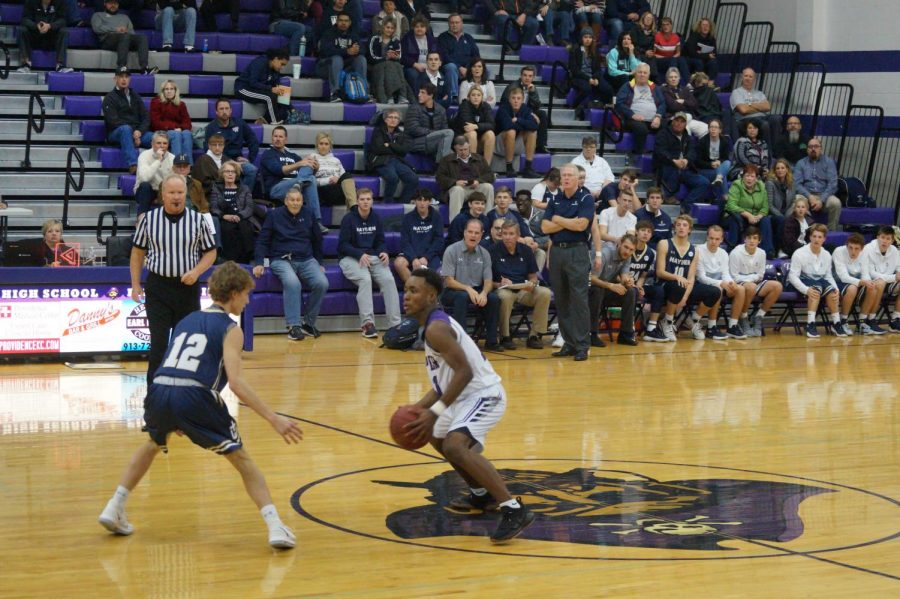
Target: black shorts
[(198, 412)]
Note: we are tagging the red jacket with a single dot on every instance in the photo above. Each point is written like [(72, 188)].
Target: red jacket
[(165, 116)]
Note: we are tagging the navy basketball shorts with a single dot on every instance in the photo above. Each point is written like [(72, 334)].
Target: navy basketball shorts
[(197, 412)]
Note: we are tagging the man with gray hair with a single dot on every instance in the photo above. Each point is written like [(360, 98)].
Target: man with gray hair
[(461, 173), (153, 166), (816, 179)]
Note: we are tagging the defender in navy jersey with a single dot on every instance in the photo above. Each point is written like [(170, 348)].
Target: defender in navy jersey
[(204, 355), (465, 402)]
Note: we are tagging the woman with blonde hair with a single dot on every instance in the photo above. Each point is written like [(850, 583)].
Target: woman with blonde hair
[(700, 48), (780, 189), (51, 231), (475, 121), (232, 204), (168, 113), (335, 184)]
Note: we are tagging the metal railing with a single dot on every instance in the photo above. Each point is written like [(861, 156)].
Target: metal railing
[(804, 89), (729, 18), (831, 112), (608, 131), (4, 70), (886, 165), (777, 76), (33, 125), (71, 183), (752, 50), (684, 13), (562, 92), (859, 144), (507, 43)]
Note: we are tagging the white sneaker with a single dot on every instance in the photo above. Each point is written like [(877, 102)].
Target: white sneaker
[(558, 340), (281, 537), (553, 328), (669, 330), (539, 38), (23, 69), (115, 521), (697, 332)]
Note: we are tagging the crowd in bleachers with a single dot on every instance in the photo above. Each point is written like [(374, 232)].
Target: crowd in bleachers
[(766, 185)]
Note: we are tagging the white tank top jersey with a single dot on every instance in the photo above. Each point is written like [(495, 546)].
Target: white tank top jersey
[(440, 373)]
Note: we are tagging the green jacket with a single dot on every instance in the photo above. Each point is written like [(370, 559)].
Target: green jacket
[(740, 200)]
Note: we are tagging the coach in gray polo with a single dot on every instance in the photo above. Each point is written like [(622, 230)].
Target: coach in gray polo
[(468, 280)]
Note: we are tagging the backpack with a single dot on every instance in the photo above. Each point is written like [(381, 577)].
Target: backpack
[(402, 336), (352, 87), (853, 193)]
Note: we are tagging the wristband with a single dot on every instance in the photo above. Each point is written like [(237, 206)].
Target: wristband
[(437, 408), (598, 254)]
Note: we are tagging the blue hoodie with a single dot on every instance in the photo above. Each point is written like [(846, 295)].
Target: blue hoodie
[(361, 235), (422, 237), (284, 233), (458, 227)]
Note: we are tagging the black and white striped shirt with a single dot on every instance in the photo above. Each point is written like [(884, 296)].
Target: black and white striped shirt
[(173, 244)]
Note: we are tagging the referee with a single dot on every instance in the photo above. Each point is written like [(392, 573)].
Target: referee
[(567, 221), (178, 248)]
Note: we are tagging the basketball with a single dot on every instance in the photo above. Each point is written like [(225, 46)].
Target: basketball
[(403, 416)]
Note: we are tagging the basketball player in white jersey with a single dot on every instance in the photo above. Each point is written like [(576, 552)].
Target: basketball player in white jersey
[(465, 402)]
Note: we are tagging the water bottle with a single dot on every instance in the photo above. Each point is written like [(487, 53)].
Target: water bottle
[(302, 46), (206, 44)]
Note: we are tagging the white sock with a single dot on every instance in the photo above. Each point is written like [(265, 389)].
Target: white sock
[(478, 492), (270, 515), (895, 315), (511, 503), (869, 317), (120, 496), (835, 318), (732, 322), (651, 325), (844, 317), (760, 314), (745, 315), (810, 317), (696, 316), (670, 319)]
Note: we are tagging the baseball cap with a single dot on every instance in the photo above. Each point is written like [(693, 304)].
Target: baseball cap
[(181, 159), (123, 71), (680, 115)]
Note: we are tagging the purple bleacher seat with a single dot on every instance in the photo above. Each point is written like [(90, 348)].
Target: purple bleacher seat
[(558, 53), (421, 163), (371, 8), (369, 133), (82, 105), (111, 158), (359, 113), (705, 214), (82, 37), (504, 182), (205, 85), (388, 210), (267, 304), (65, 82), (430, 183), (444, 209), (234, 42), (125, 183), (533, 54), (93, 131), (260, 42), (373, 183), (302, 105), (11, 14), (347, 158), (237, 109), (541, 163), (242, 60), (330, 244), (836, 238), (819, 217), (725, 100), (250, 22), (867, 216), (43, 59), (146, 20), (627, 143), (186, 63), (142, 84), (257, 131), (308, 66), (645, 163), (257, 5), (326, 214), (392, 239)]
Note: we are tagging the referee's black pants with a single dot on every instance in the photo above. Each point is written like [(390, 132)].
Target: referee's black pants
[(167, 300)]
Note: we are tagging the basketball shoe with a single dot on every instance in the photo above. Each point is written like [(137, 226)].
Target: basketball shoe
[(114, 520), (512, 522), (474, 503), (281, 537)]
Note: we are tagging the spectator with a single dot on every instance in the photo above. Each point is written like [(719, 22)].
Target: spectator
[(791, 144), (883, 261), (621, 62), (816, 179), (206, 169), (749, 103), (557, 15), (210, 8), (586, 75), (283, 169), (331, 13), (389, 12), (339, 50), (126, 118), (45, 254), (667, 48), (533, 216), (335, 185), (292, 242), (713, 151), (588, 15), (675, 161), (469, 281), (700, 48), (426, 125), (432, 74), (232, 205), (260, 83), (641, 105), (364, 258), (796, 227), (780, 190), (533, 101), (477, 209), (475, 121), (504, 10), (415, 46), (546, 189), (386, 156), (652, 212), (176, 15), (388, 84), (643, 34), (713, 270), (613, 285), (153, 166), (502, 203), (748, 268), (421, 237), (516, 277), (611, 191), (514, 120), (622, 15), (708, 105), (851, 273), (477, 76), (168, 113), (286, 20), (236, 134), (810, 275), (616, 222), (458, 49), (679, 98), (748, 204), (413, 8), (43, 26), (567, 221), (750, 149), (463, 173), (115, 32), (195, 196)]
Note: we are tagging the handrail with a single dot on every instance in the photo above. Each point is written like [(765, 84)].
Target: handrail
[(506, 43), (605, 131), (37, 127), (565, 69), (115, 225), (4, 70), (70, 181)]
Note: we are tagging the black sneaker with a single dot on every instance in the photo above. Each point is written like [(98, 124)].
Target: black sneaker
[(508, 343), (564, 352), (656, 335), (369, 331), (716, 334), (838, 330), (530, 173), (474, 503), (811, 331), (625, 339), (895, 325), (310, 331), (736, 332), (581, 355), (596, 341), (534, 342), (512, 523), (493, 347), (296, 333), (510, 171)]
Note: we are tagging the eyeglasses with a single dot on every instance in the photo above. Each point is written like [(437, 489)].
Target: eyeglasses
[(229, 172)]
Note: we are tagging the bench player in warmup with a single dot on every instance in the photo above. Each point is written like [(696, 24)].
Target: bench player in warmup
[(204, 355), (466, 401)]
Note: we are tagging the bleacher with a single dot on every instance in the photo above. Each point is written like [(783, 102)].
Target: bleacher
[(67, 113)]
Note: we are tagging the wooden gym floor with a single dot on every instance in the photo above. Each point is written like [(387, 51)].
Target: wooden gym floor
[(758, 468)]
